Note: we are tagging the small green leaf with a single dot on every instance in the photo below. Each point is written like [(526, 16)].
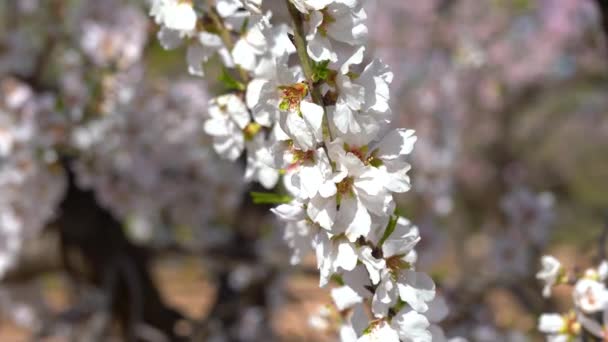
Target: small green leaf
[(390, 228), (338, 279), (320, 71), (375, 162), (244, 26), (269, 198), (229, 82)]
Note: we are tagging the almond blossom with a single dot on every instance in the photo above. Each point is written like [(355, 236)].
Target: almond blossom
[(549, 274), (325, 128), (589, 315)]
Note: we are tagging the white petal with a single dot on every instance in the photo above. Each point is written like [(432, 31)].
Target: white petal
[(244, 54), (551, 323), (346, 256), (180, 17), (353, 216), (403, 239), (293, 211), (322, 211), (373, 265), (313, 116), (385, 296), (344, 297), (416, 289), (311, 179), (320, 49), (254, 89), (396, 144), (382, 332), (411, 326)]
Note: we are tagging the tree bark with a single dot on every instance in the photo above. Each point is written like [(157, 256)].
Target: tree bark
[(96, 250)]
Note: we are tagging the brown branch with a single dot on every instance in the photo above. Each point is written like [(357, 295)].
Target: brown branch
[(603, 8)]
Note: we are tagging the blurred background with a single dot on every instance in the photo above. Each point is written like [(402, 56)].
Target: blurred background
[(114, 208)]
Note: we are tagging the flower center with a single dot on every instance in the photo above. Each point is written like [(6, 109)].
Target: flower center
[(345, 186), (292, 95), (251, 130), (302, 156), (571, 325)]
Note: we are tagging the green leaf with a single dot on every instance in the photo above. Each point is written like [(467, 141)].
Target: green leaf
[(229, 82), (338, 279), (269, 198), (320, 71), (390, 228), (244, 26)]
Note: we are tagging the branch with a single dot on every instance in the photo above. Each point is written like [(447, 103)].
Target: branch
[(301, 48), (603, 8), (602, 240), (226, 39)]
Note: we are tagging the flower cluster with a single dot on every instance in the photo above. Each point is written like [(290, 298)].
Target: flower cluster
[(28, 169), (324, 124), (590, 298)]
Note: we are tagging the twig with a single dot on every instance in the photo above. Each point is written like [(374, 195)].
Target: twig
[(603, 8), (603, 240), (226, 39), (301, 48)]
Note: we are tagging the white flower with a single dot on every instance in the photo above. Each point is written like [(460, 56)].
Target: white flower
[(205, 46), (341, 20), (589, 295), (551, 323), (355, 325), (348, 90), (376, 78), (358, 280), (564, 328), (176, 15), (403, 239), (279, 84), (411, 326), (305, 127), (360, 126), (306, 172), (251, 44), (345, 297), (333, 254), (415, 288), (549, 274), (227, 8), (385, 296), (373, 265), (261, 44), (258, 161), (228, 118), (380, 332), (358, 191), (298, 231), (390, 154)]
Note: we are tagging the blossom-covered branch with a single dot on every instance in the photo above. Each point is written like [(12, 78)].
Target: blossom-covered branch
[(324, 124)]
